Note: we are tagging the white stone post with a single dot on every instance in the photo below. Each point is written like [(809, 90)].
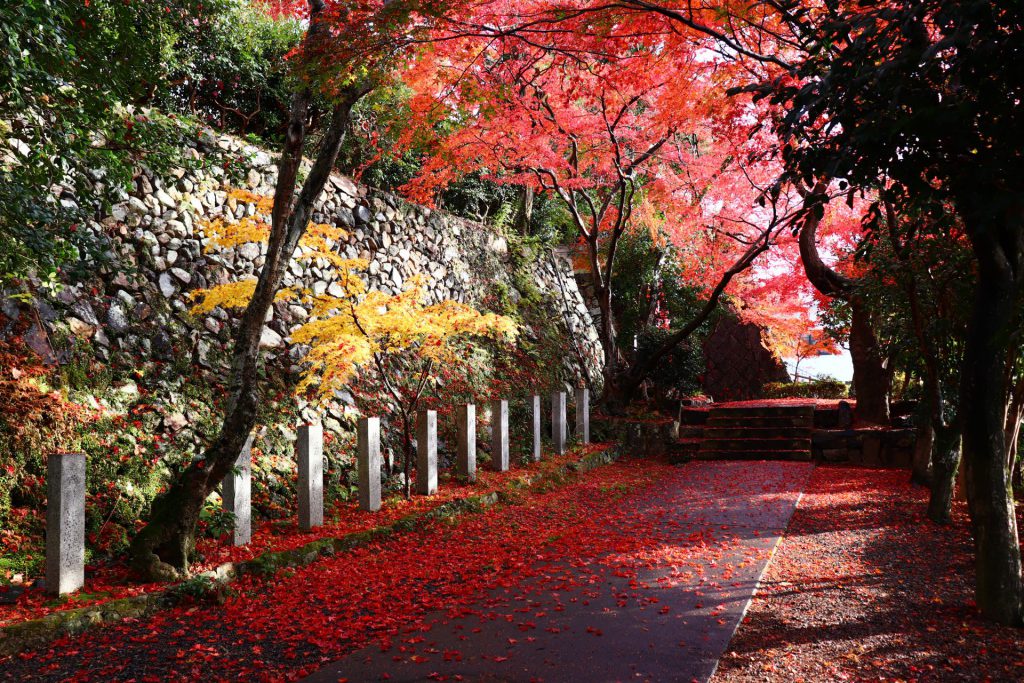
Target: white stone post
[(583, 415), (499, 435), (426, 452), (465, 463), (558, 425), (65, 523), (310, 448), (369, 463), (238, 494), (535, 401)]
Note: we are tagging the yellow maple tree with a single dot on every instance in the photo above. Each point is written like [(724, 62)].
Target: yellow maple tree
[(358, 328)]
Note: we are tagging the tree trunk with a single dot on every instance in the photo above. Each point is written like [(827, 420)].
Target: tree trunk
[(998, 246), (613, 399), (406, 456), (526, 212), (921, 468), (945, 462), (1014, 415), (871, 379), (163, 548)]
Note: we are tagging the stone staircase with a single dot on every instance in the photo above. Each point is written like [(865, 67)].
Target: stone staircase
[(769, 432)]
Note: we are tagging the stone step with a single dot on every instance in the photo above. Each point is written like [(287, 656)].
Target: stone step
[(800, 455), (774, 421), (690, 432), (693, 416), (764, 411), (755, 444), (745, 432)]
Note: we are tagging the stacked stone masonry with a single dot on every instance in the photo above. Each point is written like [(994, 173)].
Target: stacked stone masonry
[(158, 246)]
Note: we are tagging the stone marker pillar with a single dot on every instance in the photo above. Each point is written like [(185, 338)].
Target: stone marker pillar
[(311, 476), (426, 452), (65, 523), (499, 435), (369, 463), (465, 423), (583, 415), (535, 401), (558, 426), (238, 494)]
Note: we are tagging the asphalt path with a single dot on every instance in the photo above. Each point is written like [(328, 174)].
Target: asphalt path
[(667, 616)]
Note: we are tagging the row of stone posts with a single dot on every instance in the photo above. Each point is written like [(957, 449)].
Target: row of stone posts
[(65, 513), (369, 460)]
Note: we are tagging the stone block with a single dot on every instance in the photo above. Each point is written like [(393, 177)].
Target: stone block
[(872, 450), (368, 457), (65, 523), (558, 424), (583, 415), (238, 494), (465, 463), (499, 435), (310, 446), (426, 452), (535, 409)]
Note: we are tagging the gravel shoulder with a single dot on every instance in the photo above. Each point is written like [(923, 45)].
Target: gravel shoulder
[(864, 587)]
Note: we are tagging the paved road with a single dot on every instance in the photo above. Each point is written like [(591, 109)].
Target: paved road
[(665, 614)]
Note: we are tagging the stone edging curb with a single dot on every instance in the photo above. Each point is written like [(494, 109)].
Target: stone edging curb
[(15, 638)]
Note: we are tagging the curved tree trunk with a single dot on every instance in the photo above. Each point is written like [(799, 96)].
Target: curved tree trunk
[(164, 547), (871, 380)]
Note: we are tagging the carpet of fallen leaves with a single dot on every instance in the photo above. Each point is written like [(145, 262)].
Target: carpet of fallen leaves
[(864, 587), (785, 402), (112, 580), (386, 593)]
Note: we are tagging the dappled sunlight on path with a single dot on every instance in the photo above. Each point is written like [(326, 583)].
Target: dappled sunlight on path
[(865, 587)]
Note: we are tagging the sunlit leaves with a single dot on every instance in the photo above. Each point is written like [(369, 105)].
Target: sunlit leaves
[(346, 330)]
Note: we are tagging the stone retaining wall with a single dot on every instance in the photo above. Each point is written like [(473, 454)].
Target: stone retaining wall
[(139, 305)]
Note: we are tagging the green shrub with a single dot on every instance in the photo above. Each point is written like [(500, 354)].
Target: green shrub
[(819, 388)]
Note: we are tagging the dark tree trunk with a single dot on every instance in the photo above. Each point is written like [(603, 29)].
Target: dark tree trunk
[(526, 212), (613, 398), (163, 548), (872, 381), (945, 462), (997, 239), (921, 468)]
